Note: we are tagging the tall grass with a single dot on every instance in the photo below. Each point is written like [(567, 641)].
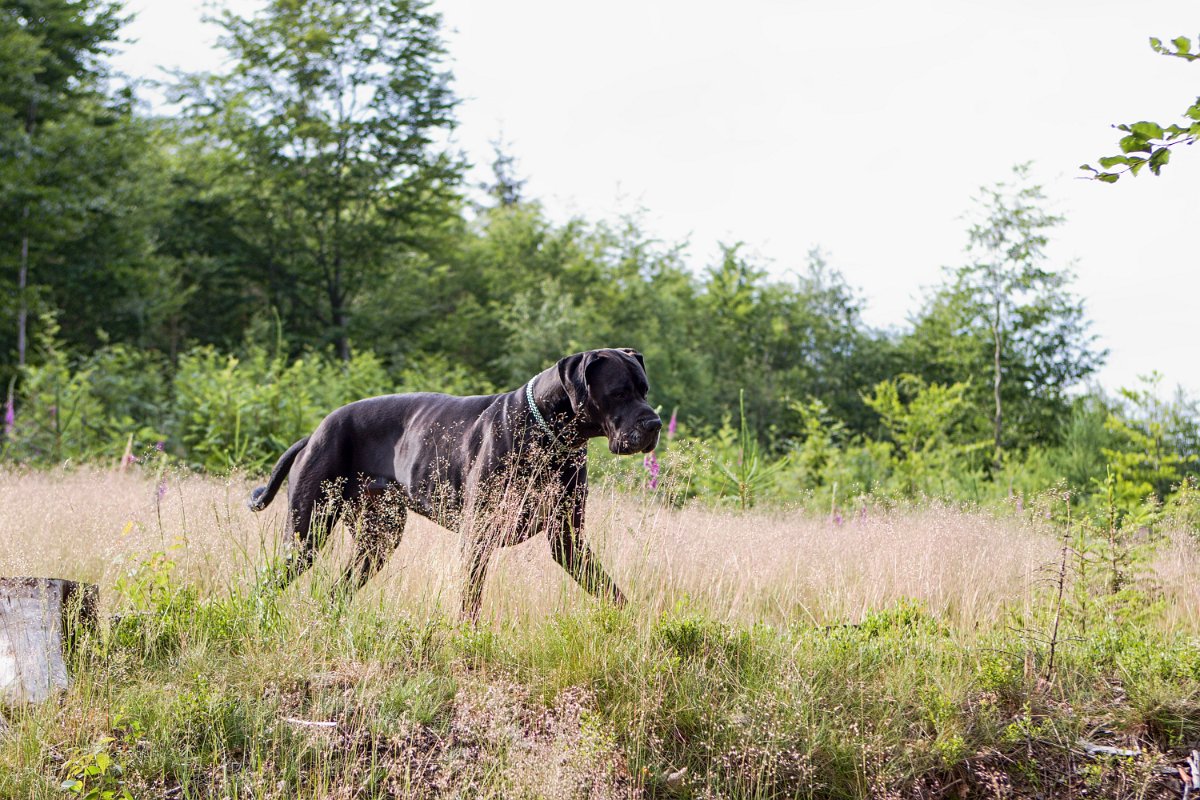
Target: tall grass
[(763, 654), (767, 566)]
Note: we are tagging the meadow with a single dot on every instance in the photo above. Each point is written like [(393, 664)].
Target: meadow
[(938, 559), (920, 649)]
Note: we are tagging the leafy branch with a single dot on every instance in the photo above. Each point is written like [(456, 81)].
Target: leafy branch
[(1149, 143)]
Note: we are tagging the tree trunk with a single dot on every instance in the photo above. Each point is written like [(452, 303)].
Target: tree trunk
[(23, 272), (339, 318), (341, 342), (41, 620), (22, 282), (999, 420), (337, 312)]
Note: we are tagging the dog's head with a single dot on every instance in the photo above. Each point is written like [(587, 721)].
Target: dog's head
[(607, 389)]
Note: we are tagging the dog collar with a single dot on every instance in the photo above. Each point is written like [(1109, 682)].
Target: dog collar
[(537, 414)]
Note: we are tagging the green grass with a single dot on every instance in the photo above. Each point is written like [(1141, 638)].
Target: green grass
[(596, 703)]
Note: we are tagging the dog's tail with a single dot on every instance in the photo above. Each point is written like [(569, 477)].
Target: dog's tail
[(261, 497)]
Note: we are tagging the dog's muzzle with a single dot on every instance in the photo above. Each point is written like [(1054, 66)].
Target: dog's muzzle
[(648, 429), (641, 437)]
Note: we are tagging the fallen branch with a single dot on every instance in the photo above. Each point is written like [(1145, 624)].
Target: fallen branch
[(1104, 750), (674, 780), (309, 723)]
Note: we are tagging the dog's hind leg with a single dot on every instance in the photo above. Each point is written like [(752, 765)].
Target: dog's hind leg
[(314, 507)]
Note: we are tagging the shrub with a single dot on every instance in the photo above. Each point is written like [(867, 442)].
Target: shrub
[(243, 412)]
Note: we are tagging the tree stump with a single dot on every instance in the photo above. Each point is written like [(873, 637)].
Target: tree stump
[(41, 622)]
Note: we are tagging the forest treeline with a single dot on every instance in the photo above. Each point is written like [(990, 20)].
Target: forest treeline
[(298, 230)]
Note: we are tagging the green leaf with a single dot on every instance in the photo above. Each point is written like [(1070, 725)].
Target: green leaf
[(1182, 44), (1148, 130), (1158, 158), (1108, 177), (1194, 111), (1134, 143), (1112, 161), (1136, 164), (1156, 43)]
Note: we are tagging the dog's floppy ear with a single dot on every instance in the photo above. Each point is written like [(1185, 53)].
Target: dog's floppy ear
[(572, 371), (636, 355)]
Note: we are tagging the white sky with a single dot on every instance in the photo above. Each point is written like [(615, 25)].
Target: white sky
[(864, 128)]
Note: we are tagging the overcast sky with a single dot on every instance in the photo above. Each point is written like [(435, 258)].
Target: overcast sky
[(863, 128)]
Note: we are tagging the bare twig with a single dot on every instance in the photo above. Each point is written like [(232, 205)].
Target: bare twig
[(1062, 579)]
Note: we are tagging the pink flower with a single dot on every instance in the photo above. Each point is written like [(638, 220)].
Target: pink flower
[(130, 458), (650, 462), (672, 426)]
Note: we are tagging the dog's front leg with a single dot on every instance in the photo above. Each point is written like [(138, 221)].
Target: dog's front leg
[(573, 555)]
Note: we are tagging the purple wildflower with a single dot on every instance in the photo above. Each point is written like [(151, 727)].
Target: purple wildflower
[(1020, 502), (130, 458), (650, 462), (162, 489), (836, 519), (672, 426), (159, 446)]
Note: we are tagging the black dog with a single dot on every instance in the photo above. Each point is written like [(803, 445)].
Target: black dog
[(499, 467)]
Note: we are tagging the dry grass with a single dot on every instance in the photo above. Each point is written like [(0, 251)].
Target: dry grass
[(1177, 570), (776, 567)]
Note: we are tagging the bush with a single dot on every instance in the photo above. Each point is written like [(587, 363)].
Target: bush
[(100, 407), (243, 412)]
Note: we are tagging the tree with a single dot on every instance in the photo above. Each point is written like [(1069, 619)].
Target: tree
[(505, 188), (330, 126), (1007, 315), (1151, 138), (1155, 442), (929, 426), (51, 103)]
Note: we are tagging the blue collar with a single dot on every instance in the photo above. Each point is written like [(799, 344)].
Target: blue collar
[(537, 414)]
